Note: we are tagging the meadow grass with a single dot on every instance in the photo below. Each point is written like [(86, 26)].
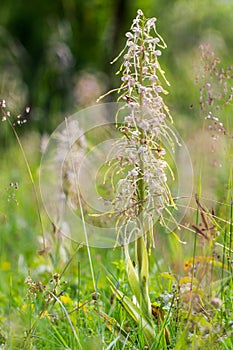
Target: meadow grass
[(57, 294), (31, 317)]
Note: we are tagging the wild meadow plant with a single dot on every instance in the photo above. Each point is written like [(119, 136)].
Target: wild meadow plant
[(143, 195), (194, 309), (213, 268)]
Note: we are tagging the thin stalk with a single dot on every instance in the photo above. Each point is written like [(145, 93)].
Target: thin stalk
[(230, 184), (194, 260), (82, 214), (230, 241), (79, 284), (141, 241), (68, 319), (222, 272), (32, 181), (195, 238)]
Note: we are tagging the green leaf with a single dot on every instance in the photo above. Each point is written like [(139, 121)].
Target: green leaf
[(132, 276), (144, 280), (142, 260), (168, 275), (136, 314)]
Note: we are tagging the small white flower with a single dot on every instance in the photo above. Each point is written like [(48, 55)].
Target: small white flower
[(141, 149), (153, 78), (139, 12), (133, 173), (144, 124), (159, 89), (131, 81), (144, 70), (127, 64), (135, 133), (127, 57), (162, 152), (137, 31), (129, 35), (129, 119), (155, 40), (3, 103), (151, 22), (158, 53), (125, 77)]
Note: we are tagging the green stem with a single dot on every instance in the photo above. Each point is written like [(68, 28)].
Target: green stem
[(82, 213), (140, 184), (142, 254), (32, 181), (230, 243)]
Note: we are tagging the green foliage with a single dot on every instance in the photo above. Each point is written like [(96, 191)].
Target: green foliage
[(45, 47), (47, 299)]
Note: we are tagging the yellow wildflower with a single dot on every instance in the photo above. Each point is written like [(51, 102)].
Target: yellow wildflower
[(5, 266)]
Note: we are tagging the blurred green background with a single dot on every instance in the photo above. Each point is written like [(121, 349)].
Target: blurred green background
[(55, 58), (55, 55)]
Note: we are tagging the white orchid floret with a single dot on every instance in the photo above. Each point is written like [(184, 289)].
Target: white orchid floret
[(133, 173), (146, 100), (148, 176), (153, 78), (131, 82), (154, 65), (126, 78), (162, 152), (144, 89), (150, 47), (144, 124), (144, 70), (127, 66), (159, 100), (127, 57), (153, 40), (137, 20), (142, 149), (156, 187), (163, 177), (129, 35), (158, 89), (161, 117), (151, 22), (133, 45), (131, 156), (135, 133), (158, 53), (129, 119), (139, 12), (133, 105), (162, 164), (137, 31)]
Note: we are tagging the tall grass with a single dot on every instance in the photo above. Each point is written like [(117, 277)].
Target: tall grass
[(154, 293)]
